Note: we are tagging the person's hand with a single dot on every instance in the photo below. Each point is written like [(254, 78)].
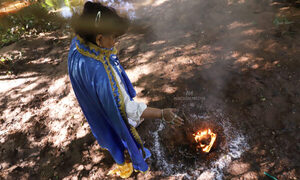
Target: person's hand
[(170, 116)]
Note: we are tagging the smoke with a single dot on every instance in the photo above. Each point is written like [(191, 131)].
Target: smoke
[(237, 144), (196, 41)]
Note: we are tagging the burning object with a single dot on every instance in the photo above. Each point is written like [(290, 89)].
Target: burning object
[(179, 147), (206, 139)]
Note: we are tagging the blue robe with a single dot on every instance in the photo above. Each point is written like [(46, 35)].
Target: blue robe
[(102, 103)]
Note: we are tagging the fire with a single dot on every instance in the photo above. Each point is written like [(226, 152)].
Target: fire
[(205, 135)]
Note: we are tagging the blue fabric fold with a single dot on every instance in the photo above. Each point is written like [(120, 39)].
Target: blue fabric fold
[(92, 87)]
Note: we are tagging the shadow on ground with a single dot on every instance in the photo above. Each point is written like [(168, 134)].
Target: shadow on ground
[(228, 53)]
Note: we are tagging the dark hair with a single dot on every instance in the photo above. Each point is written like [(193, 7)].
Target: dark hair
[(110, 22)]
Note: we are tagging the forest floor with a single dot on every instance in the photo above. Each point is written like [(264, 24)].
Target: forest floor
[(224, 62)]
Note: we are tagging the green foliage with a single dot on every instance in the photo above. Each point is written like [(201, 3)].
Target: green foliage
[(281, 20), (34, 19), (49, 3), (9, 60), (27, 22), (55, 4), (67, 3)]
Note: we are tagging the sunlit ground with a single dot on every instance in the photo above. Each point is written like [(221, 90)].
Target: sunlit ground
[(229, 53)]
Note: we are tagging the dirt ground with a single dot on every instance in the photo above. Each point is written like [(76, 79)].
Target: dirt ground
[(222, 59)]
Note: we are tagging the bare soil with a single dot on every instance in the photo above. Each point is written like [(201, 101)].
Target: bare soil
[(202, 57)]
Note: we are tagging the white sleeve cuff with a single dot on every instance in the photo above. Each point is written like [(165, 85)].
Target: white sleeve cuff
[(134, 111)]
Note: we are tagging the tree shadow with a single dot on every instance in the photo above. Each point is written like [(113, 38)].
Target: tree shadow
[(238, 64), (26, 160), (36, 56), (226, 52)]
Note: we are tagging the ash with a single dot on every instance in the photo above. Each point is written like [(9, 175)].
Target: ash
[(160, 153), (236, 145)]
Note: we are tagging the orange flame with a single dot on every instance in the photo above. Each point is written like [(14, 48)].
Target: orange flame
[(201, 135)]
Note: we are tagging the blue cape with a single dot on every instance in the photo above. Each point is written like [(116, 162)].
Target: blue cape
[(101, 100)]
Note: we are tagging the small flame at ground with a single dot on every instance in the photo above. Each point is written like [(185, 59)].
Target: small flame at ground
[(205, 135)]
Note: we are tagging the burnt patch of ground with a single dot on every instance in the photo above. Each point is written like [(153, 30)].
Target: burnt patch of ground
[(180, 147), (221, 57)]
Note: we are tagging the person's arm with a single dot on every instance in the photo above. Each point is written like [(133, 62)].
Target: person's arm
[(167, 114), (152, 113)]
